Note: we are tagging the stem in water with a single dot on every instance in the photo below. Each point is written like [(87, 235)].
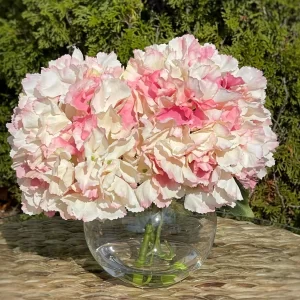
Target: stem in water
[(138, 278)]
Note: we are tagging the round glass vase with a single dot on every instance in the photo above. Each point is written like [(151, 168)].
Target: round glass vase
[(154, 248)]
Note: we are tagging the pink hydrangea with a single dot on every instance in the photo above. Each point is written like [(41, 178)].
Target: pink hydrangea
[(67, 140), (92, 141), (202, 121)]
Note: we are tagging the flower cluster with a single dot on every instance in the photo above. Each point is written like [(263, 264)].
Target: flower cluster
[(91, 140)]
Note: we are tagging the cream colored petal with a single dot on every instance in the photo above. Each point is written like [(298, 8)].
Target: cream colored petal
[(146, 193), (50, 84), (120, 147), (110, 121), (125, 195), (96, 145), (199, 201), (109, 94), (168, 189), (83, 209), (129, 173), (171, 165)]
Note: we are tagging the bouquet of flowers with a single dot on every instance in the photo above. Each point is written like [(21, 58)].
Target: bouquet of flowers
[(92, 140)]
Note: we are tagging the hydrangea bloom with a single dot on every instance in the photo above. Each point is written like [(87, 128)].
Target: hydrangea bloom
[(91, 140), (202, 123), (67, 140)]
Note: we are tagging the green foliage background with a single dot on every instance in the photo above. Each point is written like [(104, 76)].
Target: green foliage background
[(260, 33)]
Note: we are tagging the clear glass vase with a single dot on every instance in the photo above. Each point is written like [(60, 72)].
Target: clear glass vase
[(154, 248)]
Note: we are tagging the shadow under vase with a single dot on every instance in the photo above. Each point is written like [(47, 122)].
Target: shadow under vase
[(53, 238)]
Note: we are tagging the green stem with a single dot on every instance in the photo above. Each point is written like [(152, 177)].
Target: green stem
[(150, 247), (145, 245), (138, 278), (156, 244), (158, 233)]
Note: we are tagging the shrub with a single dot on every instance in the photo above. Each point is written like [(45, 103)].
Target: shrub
[(260, 33)]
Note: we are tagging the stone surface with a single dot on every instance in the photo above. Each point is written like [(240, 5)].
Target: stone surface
[(48, 259)]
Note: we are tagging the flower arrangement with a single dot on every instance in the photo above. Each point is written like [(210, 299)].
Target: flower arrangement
[(181, 123), (91, 140)]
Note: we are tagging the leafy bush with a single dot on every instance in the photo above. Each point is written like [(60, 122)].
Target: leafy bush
[(260, 33)]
